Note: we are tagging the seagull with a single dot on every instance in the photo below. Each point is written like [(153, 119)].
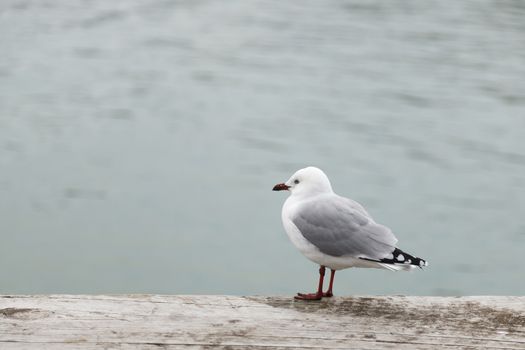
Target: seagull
[(336, 232)]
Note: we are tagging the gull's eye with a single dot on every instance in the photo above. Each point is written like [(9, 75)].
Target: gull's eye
[(296, 181)]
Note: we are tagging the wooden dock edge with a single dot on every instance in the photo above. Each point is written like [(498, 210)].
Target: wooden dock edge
[(50, 322)]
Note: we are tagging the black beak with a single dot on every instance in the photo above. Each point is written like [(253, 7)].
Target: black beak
[(280, 187)]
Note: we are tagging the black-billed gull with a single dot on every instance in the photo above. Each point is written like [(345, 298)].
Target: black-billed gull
[(336, 232)]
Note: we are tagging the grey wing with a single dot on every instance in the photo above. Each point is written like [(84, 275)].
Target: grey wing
[(354, 205), (338, 229)]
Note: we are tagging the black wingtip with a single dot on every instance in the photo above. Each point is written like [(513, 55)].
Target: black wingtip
[(399, 257)]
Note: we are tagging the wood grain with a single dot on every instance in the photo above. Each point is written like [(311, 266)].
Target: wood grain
[(231, 322)]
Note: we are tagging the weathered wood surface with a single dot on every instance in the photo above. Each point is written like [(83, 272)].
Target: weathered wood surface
[(228, 322)]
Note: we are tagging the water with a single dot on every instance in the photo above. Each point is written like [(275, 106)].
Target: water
[(140, 140)]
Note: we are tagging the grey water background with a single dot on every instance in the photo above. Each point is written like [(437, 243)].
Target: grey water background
[(140, 140)]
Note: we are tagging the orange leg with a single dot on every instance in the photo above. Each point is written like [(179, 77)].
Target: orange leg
[(329, 293), (319, 294)]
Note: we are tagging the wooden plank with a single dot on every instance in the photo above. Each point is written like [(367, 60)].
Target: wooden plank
[(228, 322)]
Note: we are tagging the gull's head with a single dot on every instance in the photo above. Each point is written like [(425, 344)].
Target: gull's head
[(306, 181)]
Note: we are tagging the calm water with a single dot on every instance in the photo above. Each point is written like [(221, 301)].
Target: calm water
[(140, 140)]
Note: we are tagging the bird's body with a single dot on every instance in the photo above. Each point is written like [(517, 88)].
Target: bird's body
[(337, 232), (291, 210)]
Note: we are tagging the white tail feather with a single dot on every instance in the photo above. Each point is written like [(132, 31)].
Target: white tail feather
[(397, 267)]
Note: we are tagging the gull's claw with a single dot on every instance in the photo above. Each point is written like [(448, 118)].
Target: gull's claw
[(309, 296)]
